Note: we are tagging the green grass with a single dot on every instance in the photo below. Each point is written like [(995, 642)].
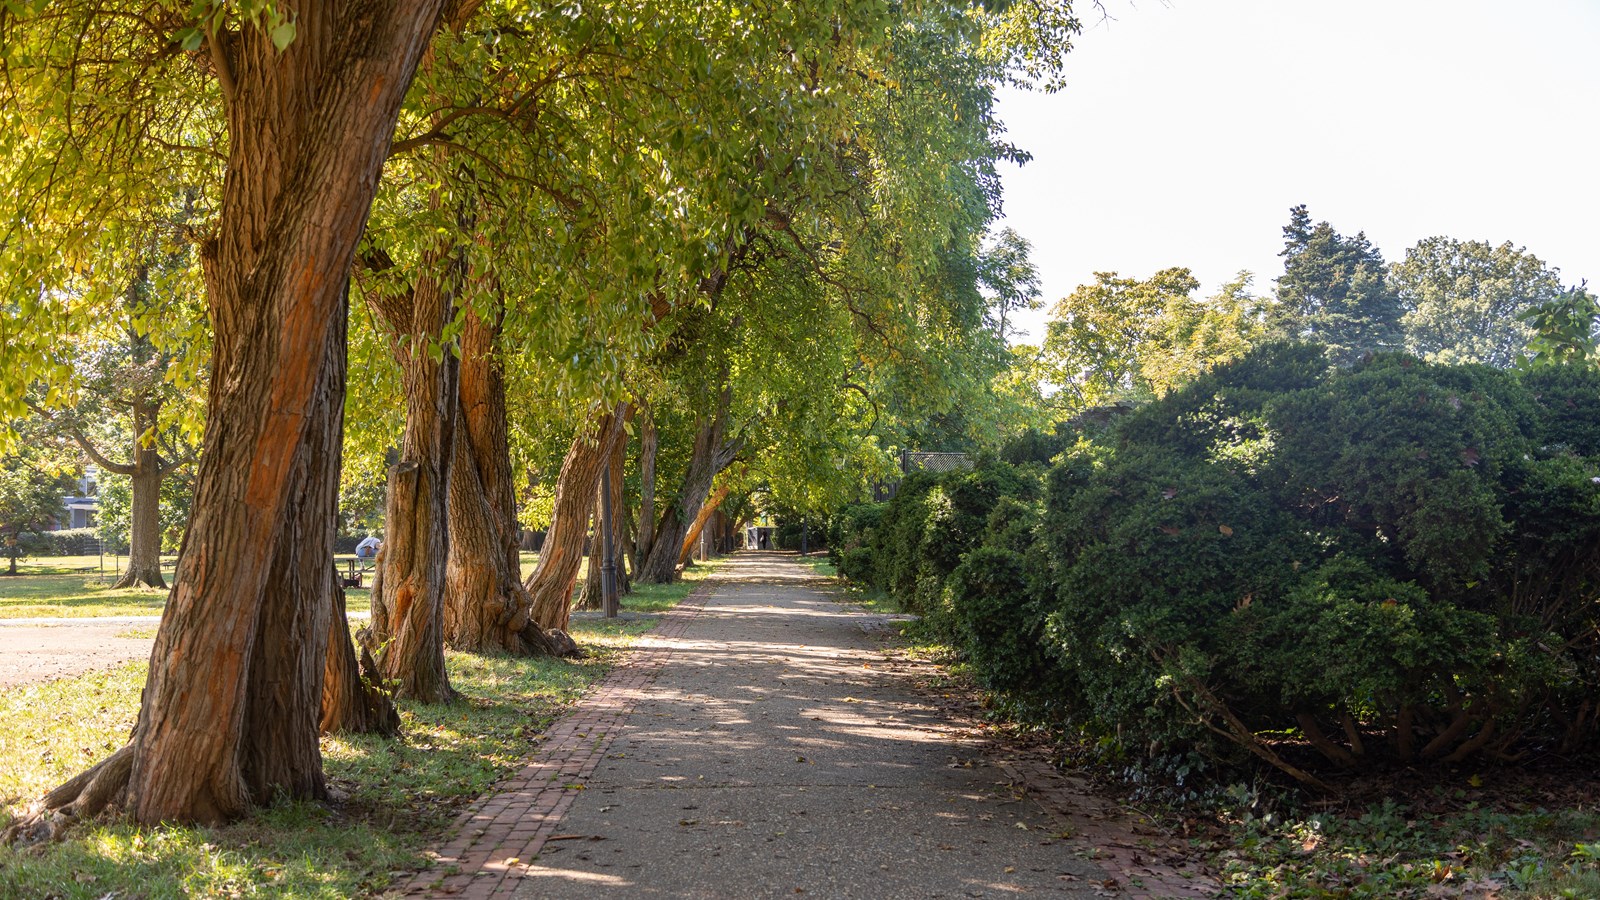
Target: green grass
[(870, 598), (25, 596), (93, 565), (819, 563), (403, 794)]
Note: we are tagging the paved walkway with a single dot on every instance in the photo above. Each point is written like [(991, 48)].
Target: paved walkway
[(760, 745)]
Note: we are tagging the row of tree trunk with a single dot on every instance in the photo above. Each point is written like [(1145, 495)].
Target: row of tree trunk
[(253, 657)]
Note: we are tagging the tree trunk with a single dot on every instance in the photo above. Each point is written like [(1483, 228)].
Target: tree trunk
[(353, 699), (144, 532), (592, 594), (649, 447), (550, 585), (712, 453), (408, 594), (230, 706), (486, 607), (619, 529), (707, 509)]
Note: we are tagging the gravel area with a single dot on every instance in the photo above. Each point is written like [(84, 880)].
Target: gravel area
[(46, 649)]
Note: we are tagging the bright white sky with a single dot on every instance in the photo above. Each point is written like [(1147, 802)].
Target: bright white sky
[(1189, 127)]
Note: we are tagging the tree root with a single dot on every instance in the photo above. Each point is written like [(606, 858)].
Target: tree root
[(554, 642), (103, 786), (140, 578)]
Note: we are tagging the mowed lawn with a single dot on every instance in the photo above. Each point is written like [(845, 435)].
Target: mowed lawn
[(73, 587)]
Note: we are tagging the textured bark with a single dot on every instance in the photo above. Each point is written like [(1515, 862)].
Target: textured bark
[(353, 699), (712, 453), (550, 585), (408, 588), (707, 510), (486, 607), (619, 521), (144, 532), (230, 707), (408, 611), (591, 595), (649, 449)]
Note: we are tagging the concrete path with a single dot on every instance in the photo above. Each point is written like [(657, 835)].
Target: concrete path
[(760, 746)]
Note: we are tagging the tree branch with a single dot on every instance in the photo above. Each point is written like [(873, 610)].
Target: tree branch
[(215, 43)]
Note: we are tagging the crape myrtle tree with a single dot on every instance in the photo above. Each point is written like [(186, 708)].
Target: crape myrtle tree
[(297, 107)]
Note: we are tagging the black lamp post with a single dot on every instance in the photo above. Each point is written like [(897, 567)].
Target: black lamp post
[(608, 565)]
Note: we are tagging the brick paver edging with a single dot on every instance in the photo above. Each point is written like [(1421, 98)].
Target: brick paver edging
[(496, 839)]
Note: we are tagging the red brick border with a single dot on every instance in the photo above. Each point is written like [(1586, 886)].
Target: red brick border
[(501, 833)]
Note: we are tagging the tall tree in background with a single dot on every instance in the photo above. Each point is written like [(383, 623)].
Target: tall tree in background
[(1334, 291), (1009, 277), (1126, 339), (33, 479), (1097, 334), (124, 387), (1463, 300)]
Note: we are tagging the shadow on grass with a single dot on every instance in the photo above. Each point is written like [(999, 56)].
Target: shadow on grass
[(70, 595), (399, 796)]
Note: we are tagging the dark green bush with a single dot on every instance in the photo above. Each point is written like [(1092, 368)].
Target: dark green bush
[(1398, 562), (1391, 562), (858, 563), (1567, 401), (63, 542), (802, 534), (850, 529), (931, 523)]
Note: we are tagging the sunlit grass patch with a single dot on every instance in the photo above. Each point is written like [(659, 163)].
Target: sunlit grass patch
[(106, 566), (819, 563), (401, 795), (51, 731), (74, 595)]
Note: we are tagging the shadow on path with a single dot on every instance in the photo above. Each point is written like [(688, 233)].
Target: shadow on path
[(762, 746)]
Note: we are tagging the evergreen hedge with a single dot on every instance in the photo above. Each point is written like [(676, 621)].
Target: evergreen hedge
[(1396, 563)]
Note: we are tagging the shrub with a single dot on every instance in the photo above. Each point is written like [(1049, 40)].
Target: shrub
[(849, 529), (65, 542), (1396, 561), (858, 564)]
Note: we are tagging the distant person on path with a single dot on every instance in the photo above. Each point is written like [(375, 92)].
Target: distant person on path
[(367, 550)]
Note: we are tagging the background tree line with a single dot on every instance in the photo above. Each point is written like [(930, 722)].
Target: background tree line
[(1448, 300)]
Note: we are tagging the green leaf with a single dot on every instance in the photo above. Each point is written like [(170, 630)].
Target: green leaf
[(283, 36)]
